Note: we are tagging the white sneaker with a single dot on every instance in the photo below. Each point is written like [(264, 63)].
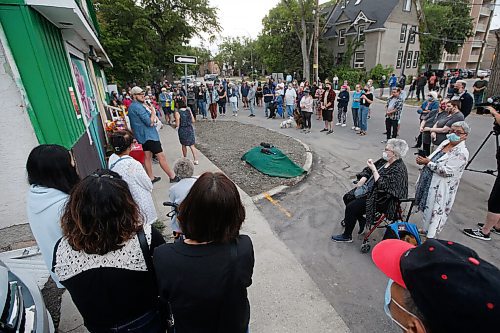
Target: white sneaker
[(353, 128), (196, 162), (343, 125), (338, 124), (357, 129)]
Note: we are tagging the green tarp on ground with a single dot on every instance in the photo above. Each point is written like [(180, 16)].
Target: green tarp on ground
[(275, 165)]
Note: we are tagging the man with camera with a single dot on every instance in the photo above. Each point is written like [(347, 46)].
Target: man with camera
[(492, 223)]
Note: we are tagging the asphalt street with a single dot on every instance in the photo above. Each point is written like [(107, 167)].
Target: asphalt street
[(348, 278)]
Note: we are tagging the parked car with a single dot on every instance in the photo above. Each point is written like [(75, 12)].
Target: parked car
[(483, 72), (21, 305), (463, 73), (210, 77)]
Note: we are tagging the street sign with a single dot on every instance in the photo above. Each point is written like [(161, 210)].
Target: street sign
[(185, 60)]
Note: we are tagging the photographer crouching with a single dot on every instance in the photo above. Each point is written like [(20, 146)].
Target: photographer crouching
[(492, 223)]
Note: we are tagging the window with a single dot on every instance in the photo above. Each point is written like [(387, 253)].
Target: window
[(407, 6), (399, 61), (409, 58), (413, 29), (339, 58), (402, 35), (361, 33), (341, 37), (415, 59), (359, 60)]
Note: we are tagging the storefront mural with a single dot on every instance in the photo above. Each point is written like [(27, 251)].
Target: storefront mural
[(85, 91)]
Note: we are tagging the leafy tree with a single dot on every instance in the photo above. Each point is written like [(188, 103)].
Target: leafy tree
[(141, 37), (449, 24)]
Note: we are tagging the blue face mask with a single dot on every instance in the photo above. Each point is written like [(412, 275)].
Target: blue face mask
[(453, 137), (387, 301)]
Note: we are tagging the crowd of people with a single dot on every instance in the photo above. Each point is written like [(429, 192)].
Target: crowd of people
[(97, 237)]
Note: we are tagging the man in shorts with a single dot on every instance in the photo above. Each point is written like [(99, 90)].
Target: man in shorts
[(328, 100), (142, 122)]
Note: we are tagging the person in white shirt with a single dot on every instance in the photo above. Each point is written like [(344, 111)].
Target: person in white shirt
[(133, 173), (290, 98)]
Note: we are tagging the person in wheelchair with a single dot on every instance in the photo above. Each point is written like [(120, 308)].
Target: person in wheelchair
[(184, 168), (380, 187)]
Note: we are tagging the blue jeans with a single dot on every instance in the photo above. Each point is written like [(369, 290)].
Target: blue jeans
[(478, 99), (363, 117), (251, 104), (289, 110), (202, 107), (266, 108)]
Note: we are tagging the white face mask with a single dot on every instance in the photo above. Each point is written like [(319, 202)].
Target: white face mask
[(385, 156)]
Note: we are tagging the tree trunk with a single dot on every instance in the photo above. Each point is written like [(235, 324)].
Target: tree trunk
[(305, 51), (494, 84)]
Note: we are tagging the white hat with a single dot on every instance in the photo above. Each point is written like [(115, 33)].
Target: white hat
[(136, 90)]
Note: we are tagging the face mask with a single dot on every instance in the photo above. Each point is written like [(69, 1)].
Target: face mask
[(385, 156), (387, 300), (453, 137), (430, 98)]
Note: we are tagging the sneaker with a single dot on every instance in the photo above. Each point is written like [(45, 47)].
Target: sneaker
[(324, 130), (476, 233), (195, 162), (342, 239), (155, 160), (353, 128), (383, 141), (357, 129), (494, 230), (338, 124), (329, 132), (176, 179), (156, 179), (344, 125)]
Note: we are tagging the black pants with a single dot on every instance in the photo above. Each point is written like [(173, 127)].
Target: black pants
[(420, 91), (391, 125), (222, 107), (354, 211), (427, 148), (307, 119)]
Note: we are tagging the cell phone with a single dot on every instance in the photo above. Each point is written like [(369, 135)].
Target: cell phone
[(421, 153)]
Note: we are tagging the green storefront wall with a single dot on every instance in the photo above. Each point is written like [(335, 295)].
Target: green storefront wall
[(38, 50)]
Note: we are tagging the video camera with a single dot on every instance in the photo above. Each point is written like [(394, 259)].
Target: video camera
[(493, 101)]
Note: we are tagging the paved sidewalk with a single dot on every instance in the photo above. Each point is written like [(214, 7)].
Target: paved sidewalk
[(283, 298)]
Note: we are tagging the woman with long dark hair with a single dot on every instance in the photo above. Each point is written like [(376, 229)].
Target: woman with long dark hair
[(103, 257), (51, 174), (203, 280)]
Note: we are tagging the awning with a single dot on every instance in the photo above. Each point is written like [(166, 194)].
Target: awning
[(66, 15)]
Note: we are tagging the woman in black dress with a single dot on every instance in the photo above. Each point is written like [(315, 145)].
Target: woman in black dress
[(184, 120), (203, 280), (222, 100)]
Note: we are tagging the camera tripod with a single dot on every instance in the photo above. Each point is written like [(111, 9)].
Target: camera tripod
[(489, 171)]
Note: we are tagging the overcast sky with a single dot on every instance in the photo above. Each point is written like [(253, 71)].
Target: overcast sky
[(244, 18)]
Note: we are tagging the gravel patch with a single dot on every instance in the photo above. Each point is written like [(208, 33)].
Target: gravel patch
[(224, 142), (16, 237)]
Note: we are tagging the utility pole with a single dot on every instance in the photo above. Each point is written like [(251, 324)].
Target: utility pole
[(483, 42), (316, 44)]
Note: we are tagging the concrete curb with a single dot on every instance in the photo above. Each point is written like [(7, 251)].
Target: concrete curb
[(282, 188)]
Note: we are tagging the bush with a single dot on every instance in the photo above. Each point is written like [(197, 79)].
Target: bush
[(353, 76), (377, 72)]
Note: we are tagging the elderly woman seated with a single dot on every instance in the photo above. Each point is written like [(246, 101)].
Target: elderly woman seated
[(381, 185), (184, 169), (440, 177)]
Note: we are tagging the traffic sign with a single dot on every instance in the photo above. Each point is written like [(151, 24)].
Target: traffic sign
[(185, 60)]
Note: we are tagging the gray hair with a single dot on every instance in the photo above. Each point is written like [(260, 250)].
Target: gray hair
[(463, 125), (183, 168), (399, 147)]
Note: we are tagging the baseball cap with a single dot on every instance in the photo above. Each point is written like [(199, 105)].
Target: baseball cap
[(454, 289), (136, 90)]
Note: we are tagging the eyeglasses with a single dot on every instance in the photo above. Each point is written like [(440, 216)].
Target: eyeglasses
[(457, 132)]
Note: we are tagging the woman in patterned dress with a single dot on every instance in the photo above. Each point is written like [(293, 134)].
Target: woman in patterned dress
[(439, 179), (318, 95), (184, 125)]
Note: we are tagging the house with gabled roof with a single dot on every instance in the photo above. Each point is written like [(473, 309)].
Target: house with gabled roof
[(381, 29)]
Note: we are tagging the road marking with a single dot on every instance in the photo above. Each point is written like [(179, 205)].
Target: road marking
[(277, 204)]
